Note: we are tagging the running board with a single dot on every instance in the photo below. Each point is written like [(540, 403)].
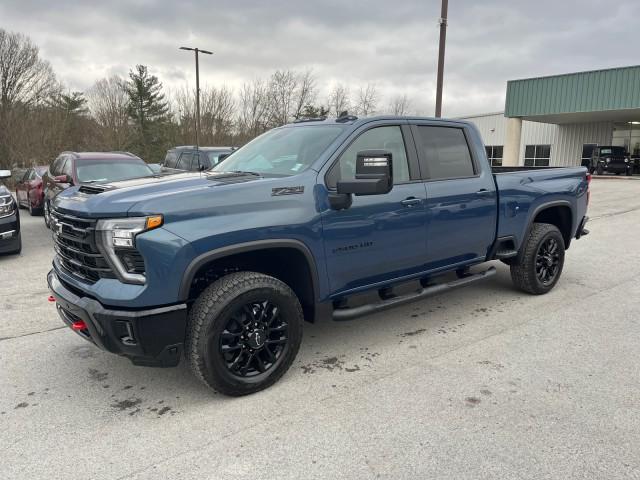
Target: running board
[(343, 314)]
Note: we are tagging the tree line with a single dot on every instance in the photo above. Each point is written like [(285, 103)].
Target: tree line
[(40, 117)]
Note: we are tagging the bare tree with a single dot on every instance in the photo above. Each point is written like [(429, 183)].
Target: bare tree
[(367, 101), (253, 109), (108, 102), (306, 91), (24, 76), (282, 95), (25, 81), (338, 99), (399, 105), (217, 107)]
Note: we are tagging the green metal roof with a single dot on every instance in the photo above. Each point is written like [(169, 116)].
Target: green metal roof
[(595, 91)]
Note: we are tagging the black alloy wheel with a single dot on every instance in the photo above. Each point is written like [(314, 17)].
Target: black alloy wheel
[(253, 339), (243, 332), (548, 261)]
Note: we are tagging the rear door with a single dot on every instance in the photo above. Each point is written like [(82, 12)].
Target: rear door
[(379, 237), (461, 203)]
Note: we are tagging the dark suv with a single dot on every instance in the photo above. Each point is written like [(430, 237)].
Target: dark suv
[(77, 168), (194, 159), (610, 159)]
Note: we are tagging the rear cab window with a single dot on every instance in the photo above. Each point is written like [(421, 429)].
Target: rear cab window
[(444, 152)]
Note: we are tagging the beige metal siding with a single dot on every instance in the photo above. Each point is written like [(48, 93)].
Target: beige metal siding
[(566, 140)]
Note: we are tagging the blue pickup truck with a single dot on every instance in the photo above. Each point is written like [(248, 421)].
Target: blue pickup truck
[(224, 266)]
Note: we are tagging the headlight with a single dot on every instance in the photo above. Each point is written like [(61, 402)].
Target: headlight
[(118, 235), (7, 206), (607, 160), (626, 160)]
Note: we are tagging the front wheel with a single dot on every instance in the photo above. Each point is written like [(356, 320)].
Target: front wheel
[(244, 332), (540, 265)]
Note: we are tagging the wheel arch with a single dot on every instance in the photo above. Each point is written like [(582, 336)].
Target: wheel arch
[(264, 256), (559, 213)]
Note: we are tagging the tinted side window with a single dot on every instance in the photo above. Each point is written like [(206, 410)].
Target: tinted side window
[(185, 161), (445, 152), (26, 175), (171, 159), (378, 138)]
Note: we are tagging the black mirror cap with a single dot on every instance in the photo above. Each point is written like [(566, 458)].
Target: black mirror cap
[(374, 174)]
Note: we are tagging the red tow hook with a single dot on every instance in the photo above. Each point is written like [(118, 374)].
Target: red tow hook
[(51, 298), (79, 325)]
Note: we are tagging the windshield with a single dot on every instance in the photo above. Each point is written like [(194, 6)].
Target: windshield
[(282, 151), (612, 150), (111, 170)]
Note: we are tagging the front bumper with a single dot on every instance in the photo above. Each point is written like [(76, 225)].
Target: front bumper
[(10, 233), (153, 337)]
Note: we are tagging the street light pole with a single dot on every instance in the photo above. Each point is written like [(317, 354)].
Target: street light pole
[(443, 38), (197, 51)]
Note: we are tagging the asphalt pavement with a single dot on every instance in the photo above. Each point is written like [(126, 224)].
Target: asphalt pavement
[(478, 383)]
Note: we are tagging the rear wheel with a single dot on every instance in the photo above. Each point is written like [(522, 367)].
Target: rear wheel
[(244, 332), (540, 266)]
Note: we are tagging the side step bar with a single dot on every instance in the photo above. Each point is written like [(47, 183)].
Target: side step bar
[(343, 314)]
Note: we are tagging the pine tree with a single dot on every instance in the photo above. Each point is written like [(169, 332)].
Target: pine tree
[(149, 111)]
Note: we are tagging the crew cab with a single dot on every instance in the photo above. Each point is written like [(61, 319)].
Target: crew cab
[(77, 168), (223, 266)]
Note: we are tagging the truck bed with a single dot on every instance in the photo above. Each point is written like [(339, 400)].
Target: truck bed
[(521, 190)]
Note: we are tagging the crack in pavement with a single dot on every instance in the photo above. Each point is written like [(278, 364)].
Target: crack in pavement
[(2, 339)]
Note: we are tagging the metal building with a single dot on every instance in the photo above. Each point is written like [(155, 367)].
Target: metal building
[(557, 120)]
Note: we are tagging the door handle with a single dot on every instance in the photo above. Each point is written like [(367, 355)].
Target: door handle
[(411, 201), (484, 191)]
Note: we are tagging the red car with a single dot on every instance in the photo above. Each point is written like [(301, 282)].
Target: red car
[(30, 191), (78, 168)]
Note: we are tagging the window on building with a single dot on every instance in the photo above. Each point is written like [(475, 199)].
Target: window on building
[(537, 155), (494, 154)]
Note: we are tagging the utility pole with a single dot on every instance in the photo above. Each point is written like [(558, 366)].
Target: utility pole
[(197, 51), (443, 39)]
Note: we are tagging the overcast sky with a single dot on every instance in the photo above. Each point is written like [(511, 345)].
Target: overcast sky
[(390, 43)]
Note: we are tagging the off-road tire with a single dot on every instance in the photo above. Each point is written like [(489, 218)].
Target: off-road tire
[(209, 316), (523, 272)]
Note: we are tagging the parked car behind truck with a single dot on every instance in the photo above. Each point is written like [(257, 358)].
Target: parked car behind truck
[(610, 159), (30, 190), (194, 159), (224, 266), (84, 168), (10, 237)]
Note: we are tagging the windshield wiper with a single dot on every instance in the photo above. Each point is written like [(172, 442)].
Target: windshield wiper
[(247, 173)]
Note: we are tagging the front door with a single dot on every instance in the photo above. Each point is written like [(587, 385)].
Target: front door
[(379, 237), (461, 196)]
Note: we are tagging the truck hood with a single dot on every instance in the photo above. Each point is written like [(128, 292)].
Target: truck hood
[(116, 199)]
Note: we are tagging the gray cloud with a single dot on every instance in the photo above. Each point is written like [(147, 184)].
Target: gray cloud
[(393, 44)]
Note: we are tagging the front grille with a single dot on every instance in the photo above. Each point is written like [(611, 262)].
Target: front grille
[(75, 246)]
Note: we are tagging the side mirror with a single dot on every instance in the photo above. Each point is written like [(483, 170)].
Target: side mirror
[(5, 173), (63, 179), (222, 156), (374, 174)]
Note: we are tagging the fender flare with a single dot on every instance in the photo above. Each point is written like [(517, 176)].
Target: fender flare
[(534, 214), (200, 260)]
